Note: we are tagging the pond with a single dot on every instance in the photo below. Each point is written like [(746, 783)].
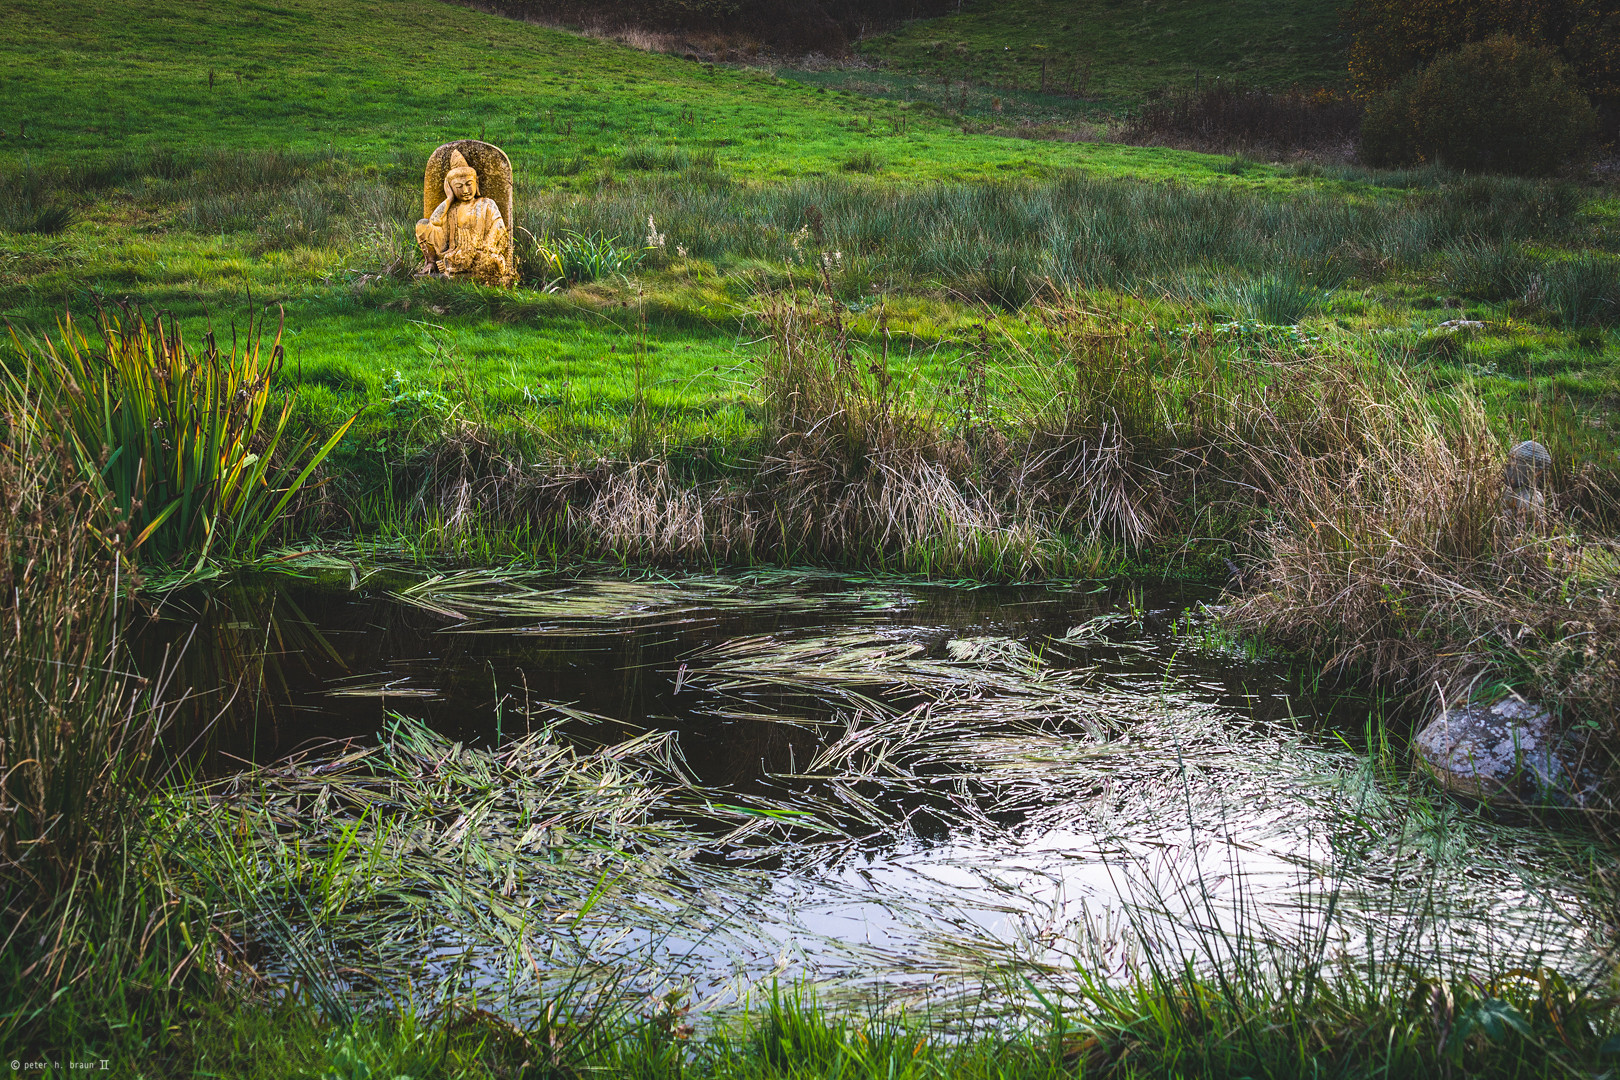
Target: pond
[(523, 786)]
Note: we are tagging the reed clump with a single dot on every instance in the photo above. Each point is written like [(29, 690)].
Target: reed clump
[(71, 725), (1410, 558), (184, 447), (123, 453), (1072, 231), (1040, 453), (85, 937)]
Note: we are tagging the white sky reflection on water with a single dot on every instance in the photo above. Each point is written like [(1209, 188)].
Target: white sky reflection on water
[(1017, 801)]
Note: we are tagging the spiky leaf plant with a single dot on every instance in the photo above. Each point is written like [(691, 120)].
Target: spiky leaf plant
[(188, 446)]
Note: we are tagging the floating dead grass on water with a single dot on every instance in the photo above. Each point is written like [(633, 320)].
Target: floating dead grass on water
[(1085, 798), (974, 814), (420, 860), (565, 604)]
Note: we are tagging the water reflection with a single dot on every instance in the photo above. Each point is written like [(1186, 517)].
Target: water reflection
[(289, 660), (954, 780)]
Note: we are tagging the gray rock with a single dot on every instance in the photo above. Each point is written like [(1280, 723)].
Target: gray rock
[(1508, 753), (1528, 463), (1527, 466)]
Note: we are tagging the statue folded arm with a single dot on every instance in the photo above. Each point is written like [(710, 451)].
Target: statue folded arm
[(466, 235)]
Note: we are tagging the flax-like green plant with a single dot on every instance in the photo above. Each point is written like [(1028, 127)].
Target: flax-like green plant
[(577, 258), (188, 446)]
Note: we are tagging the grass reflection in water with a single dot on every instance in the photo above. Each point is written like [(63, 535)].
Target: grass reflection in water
[(956, 797)]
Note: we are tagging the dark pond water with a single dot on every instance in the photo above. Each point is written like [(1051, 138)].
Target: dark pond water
[(286, 663), (960, 780)]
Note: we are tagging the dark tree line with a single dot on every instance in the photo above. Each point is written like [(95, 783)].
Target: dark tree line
[(1395, 37)]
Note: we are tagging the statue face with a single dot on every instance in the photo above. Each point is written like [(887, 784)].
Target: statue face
[(465, 186)]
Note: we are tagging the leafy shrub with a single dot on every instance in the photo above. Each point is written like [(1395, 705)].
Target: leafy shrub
[(1225, 116), (1492, 106), (183, 446), (1391, 38)]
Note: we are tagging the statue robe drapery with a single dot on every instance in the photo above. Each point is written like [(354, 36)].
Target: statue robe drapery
[(471, 239)]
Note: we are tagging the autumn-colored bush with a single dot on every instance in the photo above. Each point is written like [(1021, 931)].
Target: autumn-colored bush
[(1232, 118), (1392, 38), (1491, 106)]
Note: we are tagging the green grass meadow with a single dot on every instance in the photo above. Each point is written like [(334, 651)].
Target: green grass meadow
[(114, 110), (379, 82), (224, 153), (206, 160)]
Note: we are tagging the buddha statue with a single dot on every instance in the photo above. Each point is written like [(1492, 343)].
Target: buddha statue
[(466, 236)]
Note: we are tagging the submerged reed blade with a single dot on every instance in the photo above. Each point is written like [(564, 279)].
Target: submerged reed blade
[(976, 816)]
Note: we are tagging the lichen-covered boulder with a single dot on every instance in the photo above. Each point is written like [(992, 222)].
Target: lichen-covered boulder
[(1507, 753)]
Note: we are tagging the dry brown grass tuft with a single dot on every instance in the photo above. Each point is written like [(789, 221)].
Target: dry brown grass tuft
[(640, 512), (1407, 559), (1375, 511), (1088, 442), (1111, 437)]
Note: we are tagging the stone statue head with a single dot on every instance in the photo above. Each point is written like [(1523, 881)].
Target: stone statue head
[(461, 182), (493, 176)]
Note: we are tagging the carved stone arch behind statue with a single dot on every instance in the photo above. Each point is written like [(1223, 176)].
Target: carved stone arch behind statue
[(494, 171)]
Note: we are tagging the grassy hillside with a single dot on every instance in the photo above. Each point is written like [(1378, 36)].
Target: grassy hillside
[(1103, 56), (223, 150), (387, 82)]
